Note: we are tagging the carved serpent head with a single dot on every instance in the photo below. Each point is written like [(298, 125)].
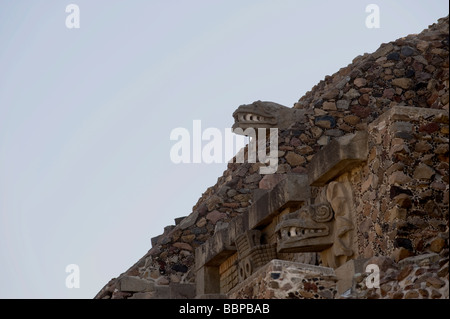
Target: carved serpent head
[(264, 114), (306, 230), (325, 227)]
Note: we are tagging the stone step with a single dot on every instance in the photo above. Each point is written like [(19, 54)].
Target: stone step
[(161, 292), (168, 229), (211, 296), (179, 219), (155, 239), (135, 284), (182, 291)]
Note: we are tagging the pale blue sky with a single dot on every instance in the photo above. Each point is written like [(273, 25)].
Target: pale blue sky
[(86, 114)]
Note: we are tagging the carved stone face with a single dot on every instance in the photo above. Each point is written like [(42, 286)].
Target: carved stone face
[(255, 115), (306, 230), (262, 114)]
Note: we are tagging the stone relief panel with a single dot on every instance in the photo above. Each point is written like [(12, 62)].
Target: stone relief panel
[(252, 254), (340, 197)]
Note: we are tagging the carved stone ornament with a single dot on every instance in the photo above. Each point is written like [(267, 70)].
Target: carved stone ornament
[(263, 114), (326, 227), (252, 254), (309, 229), (340, 197)]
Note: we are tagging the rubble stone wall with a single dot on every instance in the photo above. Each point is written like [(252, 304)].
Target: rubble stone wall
[(403, 190), (417, 277), (228, 272), (288, 280)]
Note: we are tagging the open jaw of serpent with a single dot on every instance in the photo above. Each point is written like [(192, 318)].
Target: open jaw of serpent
[(264, 114), (306, 230)]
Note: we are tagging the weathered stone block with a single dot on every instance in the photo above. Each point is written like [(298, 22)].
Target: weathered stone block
[(136, 284), (182, 291), (399, 178), (215, 250), (339, 156), (183, 246), (420, 259), (406, 114), (325, 121), (342, 104), (189, 220), (270, 180), (215, 216), (161, 292), (401, 253), (178, 220), (401, 126), (346, 273), (207, 280), (237, 226), (291, 191), (154, 240), (423, 171), (294, 159), (437, 244), (404, 83), (360, 82), (329, 106), (211, 296), (142, 295)]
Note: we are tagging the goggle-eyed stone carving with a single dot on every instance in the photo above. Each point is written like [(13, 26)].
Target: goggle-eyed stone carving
[(264, 114), (325, 227)]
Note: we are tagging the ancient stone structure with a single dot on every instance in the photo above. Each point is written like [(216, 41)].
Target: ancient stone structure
[(362, 179)]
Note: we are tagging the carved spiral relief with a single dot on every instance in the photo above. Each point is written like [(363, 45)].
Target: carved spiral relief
[(322, 213)]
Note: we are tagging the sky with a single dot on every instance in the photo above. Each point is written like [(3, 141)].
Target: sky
[(86, 114)]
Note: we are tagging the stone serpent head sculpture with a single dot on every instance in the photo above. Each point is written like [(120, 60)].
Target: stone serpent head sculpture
[(263, 114), (326, 227)]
